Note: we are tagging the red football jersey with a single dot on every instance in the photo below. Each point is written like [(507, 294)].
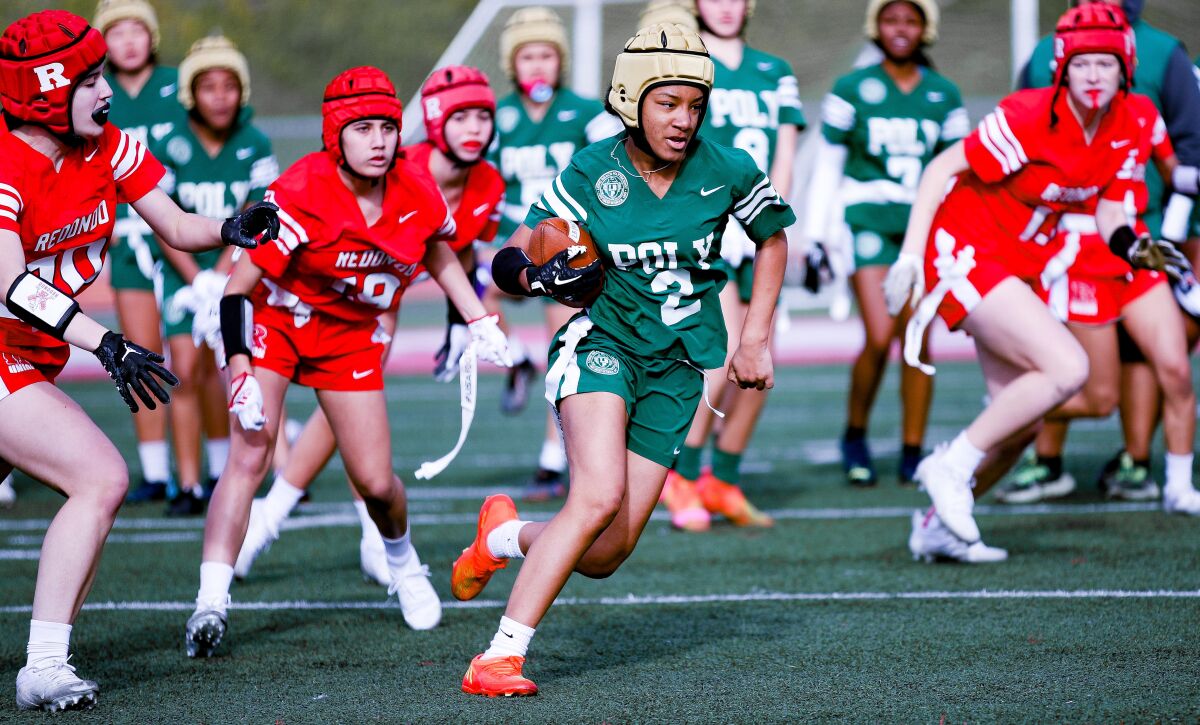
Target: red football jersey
[(327, 258), (64, 217), (1025, 174), (478, 213)]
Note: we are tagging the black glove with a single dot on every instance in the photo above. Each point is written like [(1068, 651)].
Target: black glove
[(559, 280), (241, 230), (817, 270), (1175, 265), (133, 367)]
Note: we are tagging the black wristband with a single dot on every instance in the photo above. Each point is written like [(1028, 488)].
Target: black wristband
[(1121, 240), (453, 316), (507, 266), (237, 325)]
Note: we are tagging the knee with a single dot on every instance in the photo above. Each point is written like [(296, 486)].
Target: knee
[(377, 490), (1104, 401), (1069, 373), (603, 563), (877, 345), (1174, 377), (111, 483), (594, 511), (248, 460)]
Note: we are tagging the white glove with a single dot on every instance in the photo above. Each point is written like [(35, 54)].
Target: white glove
[(246, 402), (905, 281), (490, 342), (184, 300), (209, 284), (457, 339)]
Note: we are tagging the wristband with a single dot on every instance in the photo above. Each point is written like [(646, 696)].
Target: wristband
[(507, 266), (237, 325), (35, 301), (1122, 240)]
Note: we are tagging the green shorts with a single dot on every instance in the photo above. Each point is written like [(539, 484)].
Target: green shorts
[(872, 249), (660, 394), (742, 276), (131, 256)]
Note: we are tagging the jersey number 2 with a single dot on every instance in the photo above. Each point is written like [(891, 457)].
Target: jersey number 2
[(672, 313)]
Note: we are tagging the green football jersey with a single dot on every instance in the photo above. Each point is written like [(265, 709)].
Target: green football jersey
[(530, 154), (749, 103), (148, 117), (889, 137), (662, 282), (216, 187)]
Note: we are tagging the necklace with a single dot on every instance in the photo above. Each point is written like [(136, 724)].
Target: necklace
[(640, 174)]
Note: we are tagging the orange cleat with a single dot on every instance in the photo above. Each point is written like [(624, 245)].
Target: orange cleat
[(687, 511), (728, 500), (475, 566), (497, 676)]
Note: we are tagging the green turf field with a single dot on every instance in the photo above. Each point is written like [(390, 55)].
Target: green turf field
[(825, 617)]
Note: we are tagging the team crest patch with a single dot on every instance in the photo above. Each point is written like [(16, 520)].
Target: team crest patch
[(872, 90), (507, 119), (612, 189), (179, 150), (868, 244), (602, 363)]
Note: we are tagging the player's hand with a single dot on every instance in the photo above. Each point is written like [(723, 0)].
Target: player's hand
[(243, 229), (491, 344), (556, 278), (458, 336), (1175, 265), (134, 368), (752, 367), (1158, 255), (246, 402), (209, 284), (905, 282), (818, 271)]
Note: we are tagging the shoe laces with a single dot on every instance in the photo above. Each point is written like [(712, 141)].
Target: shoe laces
[(409, 573), (207, 605), (60, 672), (505, 666)]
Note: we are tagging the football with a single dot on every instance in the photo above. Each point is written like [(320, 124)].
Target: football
[(552, 236)]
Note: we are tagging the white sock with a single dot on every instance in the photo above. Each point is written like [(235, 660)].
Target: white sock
[(399, 553), (553, 456), (502, 543), (217, 452), (155, 460), (1179, 472), (280, 500), (369, 529), (963, 455), (517, 349), (511, 640), (48, 641), (215, 578)]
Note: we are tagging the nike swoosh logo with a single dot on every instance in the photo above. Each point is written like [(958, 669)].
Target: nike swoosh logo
[(360, 374), (1119, 144), (561, 281), (706, 192), (481, 209), (405, 217), (506, 634)]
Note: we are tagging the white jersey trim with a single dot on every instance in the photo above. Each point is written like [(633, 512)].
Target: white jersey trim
[(838, 112)]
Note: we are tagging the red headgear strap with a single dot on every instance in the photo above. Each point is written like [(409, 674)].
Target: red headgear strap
[(1093, 28), (42, 56), (451, 89), (355, 94)]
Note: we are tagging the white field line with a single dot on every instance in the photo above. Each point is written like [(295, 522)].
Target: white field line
[(347, 517), (632, 600)]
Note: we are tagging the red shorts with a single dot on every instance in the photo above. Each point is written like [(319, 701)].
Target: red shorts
[(1084, 300), (324, 352), (972, 270), (23, 366)]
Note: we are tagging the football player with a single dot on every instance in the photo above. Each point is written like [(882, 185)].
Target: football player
[(978, 251), (144, 105), (880, 126), (358, 224), (755, 106), (458, 106), (627, 373), (63, 169), (539, 127), (217, 164)]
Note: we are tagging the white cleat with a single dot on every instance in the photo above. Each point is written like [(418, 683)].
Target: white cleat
[(930, 540), (8, 494), (373, 558), (206, 627), (260, 534), (54, 686), (950, 491), (1186, 502), (418, 601)]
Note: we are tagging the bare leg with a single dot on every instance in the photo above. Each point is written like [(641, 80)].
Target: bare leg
[(1156, 324), (186, 410), (137, 312)]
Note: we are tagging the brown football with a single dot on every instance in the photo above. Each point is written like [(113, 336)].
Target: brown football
[(552, 236)]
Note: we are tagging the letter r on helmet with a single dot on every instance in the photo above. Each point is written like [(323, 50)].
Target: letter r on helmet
[(50, 76), (433, 108)]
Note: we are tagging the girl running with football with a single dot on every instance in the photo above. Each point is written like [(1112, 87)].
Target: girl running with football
[(881, 125), (357, 224), (63, 169), (217, 163), (458, 106), (755, 106), (626, 375), (978, 251)]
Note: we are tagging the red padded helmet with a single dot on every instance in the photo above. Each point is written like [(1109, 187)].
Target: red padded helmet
[(42, 56), (355, 94), (451, 89), (1094, 28)]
